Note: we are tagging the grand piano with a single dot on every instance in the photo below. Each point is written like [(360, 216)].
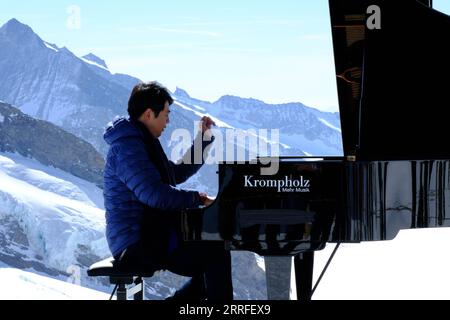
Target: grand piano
[(391, 61)]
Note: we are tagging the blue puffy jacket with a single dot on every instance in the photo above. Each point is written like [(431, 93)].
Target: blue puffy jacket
[(138, 183)]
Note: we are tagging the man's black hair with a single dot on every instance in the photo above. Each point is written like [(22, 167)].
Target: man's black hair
[(148, 95)]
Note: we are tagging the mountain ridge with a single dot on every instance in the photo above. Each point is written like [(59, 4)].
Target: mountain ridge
[(83, 98)]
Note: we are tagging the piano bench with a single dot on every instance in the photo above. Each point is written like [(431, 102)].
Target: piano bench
[(121, 277)]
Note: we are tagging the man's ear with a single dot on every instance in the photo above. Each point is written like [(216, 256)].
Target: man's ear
[(149, 114)]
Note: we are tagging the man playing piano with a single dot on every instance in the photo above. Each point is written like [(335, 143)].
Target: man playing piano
[(142, 204)]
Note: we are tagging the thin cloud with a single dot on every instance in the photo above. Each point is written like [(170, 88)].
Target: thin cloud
[(315, 37), (126, 63), (163, 45), (274, 22), (184, 28), (171, 30), (185, 31), (127, 48), (233, 50)]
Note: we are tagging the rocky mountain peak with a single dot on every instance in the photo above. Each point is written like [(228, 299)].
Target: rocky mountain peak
[(93, 58), (15, 29), (181, 93), (234, 100)]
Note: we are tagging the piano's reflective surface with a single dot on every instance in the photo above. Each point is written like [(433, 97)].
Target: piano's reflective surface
[(391, 58), (311, 202)]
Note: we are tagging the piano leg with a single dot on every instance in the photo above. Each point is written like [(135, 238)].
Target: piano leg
[(278, 277), (304, 265)]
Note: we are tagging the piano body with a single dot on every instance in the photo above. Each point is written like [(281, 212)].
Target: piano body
[(395, 172)]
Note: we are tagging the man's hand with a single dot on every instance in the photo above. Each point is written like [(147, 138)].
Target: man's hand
[(205, 199), (206, 123)]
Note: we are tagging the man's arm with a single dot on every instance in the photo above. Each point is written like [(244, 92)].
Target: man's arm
[(135, 169), (187, 166), (190, 164)]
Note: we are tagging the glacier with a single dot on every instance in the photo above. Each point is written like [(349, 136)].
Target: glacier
[(58, 218), (52, 224)]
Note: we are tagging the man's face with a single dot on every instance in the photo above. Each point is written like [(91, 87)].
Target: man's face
[(156, 125)]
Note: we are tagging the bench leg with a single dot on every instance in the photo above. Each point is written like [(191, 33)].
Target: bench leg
[(135, 292)]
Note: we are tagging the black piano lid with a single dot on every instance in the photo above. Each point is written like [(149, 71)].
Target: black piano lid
[(391, 82)]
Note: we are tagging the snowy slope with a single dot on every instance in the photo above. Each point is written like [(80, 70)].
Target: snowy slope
[(61, 222), (52, 179), (412, 266), (22, 285), (52, 224)]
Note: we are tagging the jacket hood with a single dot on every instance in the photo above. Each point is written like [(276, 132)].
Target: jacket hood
[(121, 128)]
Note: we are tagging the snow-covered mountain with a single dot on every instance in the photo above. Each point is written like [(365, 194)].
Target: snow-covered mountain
[(52, 224), (51, 210), (51, 216), (51, 83), (51, 220), (303, 130), (81, 94)]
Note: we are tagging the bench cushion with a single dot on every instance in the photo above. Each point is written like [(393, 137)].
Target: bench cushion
[(108, 268)]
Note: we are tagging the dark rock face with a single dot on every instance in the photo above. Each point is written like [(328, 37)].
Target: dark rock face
[(48, 144)]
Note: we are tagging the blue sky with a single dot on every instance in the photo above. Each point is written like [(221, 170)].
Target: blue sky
[(276, 51)]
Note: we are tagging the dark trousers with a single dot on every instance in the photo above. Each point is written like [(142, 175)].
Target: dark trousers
[(209, 267)]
